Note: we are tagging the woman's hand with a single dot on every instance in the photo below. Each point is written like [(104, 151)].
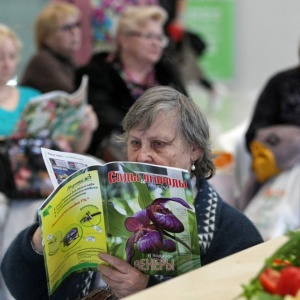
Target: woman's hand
[(90, 122), (37, 241), (88, 126), (121, 277)]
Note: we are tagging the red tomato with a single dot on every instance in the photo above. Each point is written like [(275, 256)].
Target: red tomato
[(289, 281), (269, 279)]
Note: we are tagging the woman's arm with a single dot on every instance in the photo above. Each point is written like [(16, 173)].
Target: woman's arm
[(23, 268)]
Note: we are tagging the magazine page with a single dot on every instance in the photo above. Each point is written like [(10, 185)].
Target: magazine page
[(150, 217), (139, 212), (60, 165), (54, 114), (72, 226)]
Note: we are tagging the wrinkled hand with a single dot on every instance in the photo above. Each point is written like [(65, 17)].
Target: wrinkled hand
[(90, 122), (121, 277), (37, 241)]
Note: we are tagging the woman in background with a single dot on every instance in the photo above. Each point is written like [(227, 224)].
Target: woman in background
[(57, 38), (118, 78), (12, 98)]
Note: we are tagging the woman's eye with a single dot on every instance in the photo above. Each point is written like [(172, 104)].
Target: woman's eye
[(158, 143), (134, 143)]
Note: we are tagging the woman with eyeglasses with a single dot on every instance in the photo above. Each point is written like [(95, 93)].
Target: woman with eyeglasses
[(52, 68), (118, 78), (57, 37)]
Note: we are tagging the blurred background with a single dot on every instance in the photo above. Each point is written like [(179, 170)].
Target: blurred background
[(247, 41)]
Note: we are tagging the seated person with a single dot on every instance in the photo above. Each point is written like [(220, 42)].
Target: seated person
[(163, 127), (117, 79), (57, 37), (13, 100)]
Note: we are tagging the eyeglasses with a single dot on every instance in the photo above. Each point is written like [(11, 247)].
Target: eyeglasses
[(151, 36), (69, 27)]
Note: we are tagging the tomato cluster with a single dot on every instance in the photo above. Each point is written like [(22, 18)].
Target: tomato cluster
[(281, 282)]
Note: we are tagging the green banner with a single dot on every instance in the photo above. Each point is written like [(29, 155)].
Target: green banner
[(213, 20)]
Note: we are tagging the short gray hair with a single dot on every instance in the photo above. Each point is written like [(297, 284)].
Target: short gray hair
[(192, 124)]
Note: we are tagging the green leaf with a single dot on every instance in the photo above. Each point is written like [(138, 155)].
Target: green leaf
[(116, 223), (144, 197)]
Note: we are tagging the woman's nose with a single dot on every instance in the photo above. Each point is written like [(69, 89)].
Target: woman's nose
[(144, 154), (6, 62)]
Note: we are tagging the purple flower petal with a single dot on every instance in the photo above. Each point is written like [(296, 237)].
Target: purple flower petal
[(169, 245), (133, 224), (143, 217), (164, 219), (150, 242), (130, 249), (165, 200)]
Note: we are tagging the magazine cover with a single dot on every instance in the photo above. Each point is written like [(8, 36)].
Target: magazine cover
[(141, 213), (54, 114)]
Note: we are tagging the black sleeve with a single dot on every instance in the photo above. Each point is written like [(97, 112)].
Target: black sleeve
[(109, 97), (23, 269)]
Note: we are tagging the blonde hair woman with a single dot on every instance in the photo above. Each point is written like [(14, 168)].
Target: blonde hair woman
[(118, 78), (57, 38), (12, 98)]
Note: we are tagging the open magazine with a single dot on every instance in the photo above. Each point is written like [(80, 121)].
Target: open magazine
[(139, 212), (54, 114)]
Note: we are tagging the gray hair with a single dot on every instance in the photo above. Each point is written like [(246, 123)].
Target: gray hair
[(192, 124)]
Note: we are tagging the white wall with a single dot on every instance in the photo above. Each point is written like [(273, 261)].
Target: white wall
[(267, 38)]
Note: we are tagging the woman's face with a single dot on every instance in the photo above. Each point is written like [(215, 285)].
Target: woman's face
[(161, 144), (145, 44), (9, 57), (66, 38)]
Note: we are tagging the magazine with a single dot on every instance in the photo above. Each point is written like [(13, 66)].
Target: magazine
[(54, 114), (139, 212)]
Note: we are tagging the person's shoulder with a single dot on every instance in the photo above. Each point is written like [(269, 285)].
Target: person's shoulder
[(286, 74), (238, 222), (99, 57), (40, 55), (226, 213), (98, 68), (28, 92)]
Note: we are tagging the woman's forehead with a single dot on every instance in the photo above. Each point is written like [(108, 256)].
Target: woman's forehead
[(162, 124)]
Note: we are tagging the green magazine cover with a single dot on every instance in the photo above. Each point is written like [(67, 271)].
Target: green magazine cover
[(139, 212)]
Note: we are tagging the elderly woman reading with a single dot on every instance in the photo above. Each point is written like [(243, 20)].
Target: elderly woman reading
[(163, 127)]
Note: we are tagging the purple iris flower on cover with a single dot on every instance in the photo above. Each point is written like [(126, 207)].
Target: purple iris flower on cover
[(150, 225)]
